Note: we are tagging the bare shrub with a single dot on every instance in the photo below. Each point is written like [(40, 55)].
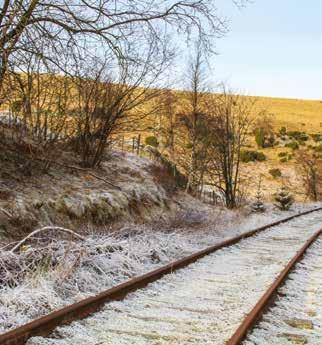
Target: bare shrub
[(167, 118), (228, 126), (191, 121), (163, 177), (38, 110), (187, 218), (107, 100), (310, 167)]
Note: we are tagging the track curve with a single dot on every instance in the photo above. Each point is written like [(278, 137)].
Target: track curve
[(45, 325), (268, 298)]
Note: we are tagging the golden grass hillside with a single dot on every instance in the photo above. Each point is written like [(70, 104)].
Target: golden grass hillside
[(294, 114)]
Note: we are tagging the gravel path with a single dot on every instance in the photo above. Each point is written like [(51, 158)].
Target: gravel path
[(202, 304)]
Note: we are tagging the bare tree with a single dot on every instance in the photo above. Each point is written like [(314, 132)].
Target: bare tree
[(192, 118), (167, 119), (49, 27), (110, 95), (264, 129), (310, 165), (229, 124), (43, 97)]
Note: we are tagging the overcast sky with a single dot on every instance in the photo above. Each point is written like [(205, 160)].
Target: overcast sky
[(274, 48)]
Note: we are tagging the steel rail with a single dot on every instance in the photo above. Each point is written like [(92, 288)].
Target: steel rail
[(270, 295), (43, 326)]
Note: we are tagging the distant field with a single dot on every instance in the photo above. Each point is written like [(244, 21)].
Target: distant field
[(294, 113)]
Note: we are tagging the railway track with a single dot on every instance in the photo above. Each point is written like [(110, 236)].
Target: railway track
[(202, 303), (293, 312), (290, 310)]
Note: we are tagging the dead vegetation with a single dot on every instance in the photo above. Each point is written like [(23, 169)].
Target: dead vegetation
[(73, 197), (53, 268), (310, 167)]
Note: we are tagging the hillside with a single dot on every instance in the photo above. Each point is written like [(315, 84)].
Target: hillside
[(295, 114), (124, 188)]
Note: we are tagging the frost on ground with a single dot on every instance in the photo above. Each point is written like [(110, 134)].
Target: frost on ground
[(199, 305), (124, 187), (297, 314), (52, 272)]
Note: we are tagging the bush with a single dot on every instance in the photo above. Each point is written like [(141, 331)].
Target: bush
[(318, 148), (270, 141), (258, 204), (252, 156), (167, 170), (317, 137), (264, 139), (285, 157), (283, 199), (294, 145), (275, 173), (283, 130), (163, 177), (152, 141), (293, 134), (260, 137), (297, 135), (260, 156)]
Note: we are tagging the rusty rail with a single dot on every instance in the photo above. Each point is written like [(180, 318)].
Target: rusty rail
[(270, 295), (46, 324)]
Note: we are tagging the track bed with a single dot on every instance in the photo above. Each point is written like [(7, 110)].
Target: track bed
[(201, 304), (296, 317)]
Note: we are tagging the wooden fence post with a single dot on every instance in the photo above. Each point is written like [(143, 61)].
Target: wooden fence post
[(122, 144), (133, 144), (213, 197), (138, 145)]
